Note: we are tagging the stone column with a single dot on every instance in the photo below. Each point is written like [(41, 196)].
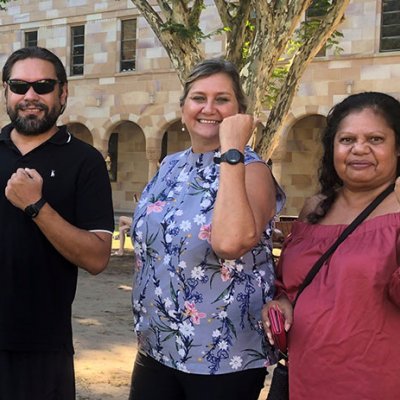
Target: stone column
[(100, 143), (153, 154)]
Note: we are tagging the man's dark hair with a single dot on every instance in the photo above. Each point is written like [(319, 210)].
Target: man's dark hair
[(34, 52)]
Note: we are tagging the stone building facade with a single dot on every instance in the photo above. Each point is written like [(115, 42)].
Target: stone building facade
[(127, 105)]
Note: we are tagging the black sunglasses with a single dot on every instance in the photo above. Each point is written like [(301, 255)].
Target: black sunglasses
[(42, 86)]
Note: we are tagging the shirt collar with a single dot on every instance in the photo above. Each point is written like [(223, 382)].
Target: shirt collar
[(62, 136)]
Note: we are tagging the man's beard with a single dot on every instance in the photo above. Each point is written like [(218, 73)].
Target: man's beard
[(32, 125)]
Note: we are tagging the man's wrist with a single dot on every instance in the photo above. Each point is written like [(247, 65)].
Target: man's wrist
[(33, 209)]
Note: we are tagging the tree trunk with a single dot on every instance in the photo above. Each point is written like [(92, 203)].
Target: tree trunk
[(275, 22), (279, 112)]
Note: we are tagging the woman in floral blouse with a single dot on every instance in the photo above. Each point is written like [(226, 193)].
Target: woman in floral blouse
[(202, 238)]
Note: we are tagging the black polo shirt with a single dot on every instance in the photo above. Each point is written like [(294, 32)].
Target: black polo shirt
[(37, 284)]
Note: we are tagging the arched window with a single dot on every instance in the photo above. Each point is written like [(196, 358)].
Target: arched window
[(112, 157)]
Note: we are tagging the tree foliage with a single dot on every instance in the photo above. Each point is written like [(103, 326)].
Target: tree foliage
[(270, 41), (3, 4)]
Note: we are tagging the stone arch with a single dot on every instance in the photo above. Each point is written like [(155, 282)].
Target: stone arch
[(165, 117), (296, 161), (128, 165), (293, 117), (155, 128), (117, 118), (80, 131), (174, 139), (70, 119)]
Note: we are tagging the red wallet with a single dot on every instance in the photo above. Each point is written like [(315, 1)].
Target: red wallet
[(277, 322)]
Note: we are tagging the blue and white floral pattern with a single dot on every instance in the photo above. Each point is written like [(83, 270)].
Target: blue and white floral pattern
[(193, 311)]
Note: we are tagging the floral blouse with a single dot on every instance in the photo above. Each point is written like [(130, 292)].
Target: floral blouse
[(193, 311)]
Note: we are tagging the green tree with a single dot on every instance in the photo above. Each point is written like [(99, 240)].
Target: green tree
[(269, 40), (3, 4)]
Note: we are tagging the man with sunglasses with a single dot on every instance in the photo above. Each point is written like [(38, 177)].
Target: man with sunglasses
[(55, 215)]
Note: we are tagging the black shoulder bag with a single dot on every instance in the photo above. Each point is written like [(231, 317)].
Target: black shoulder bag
[(279, 389)]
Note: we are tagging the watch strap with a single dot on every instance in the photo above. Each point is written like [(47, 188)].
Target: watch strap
[(238, 157), (33, 209)]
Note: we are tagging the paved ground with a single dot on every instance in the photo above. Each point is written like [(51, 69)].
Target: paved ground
[(104, 343)]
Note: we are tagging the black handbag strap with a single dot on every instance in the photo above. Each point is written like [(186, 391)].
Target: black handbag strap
[(350, 228)]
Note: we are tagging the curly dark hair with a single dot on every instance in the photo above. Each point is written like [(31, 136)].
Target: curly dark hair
[(383, 104)]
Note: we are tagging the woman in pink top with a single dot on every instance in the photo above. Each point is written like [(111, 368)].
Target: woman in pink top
[(344, 334)]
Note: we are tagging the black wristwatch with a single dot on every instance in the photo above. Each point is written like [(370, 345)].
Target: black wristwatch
[(232, 156), (33, 209)]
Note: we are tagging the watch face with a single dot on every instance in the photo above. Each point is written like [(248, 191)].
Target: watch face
[(233, 156), (32, 210)]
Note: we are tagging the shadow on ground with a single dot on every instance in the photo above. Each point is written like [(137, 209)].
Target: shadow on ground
[(102, 322)]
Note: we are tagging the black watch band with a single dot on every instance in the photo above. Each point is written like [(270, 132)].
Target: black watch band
[(232, 156), (33, 209)]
